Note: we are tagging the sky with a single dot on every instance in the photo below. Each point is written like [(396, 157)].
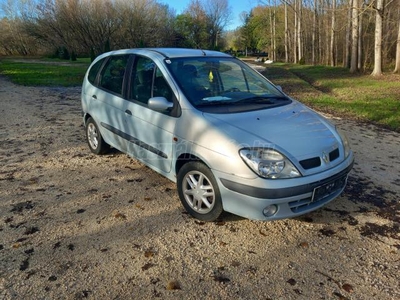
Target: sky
[(237, 6)]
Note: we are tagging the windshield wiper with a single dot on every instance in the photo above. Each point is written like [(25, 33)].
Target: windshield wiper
[(249, 100), (215, 102), (261, 99)]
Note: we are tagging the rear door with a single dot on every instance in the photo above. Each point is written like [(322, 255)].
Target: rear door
[(150, 132), (107, 103)]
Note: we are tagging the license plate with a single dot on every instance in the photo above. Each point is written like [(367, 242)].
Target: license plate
[(328, 189)]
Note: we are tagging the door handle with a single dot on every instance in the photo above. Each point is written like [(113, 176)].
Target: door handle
[(128, 112), (94, 97)]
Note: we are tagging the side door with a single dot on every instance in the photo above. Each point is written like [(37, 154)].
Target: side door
[(108, 101), (150, 131)]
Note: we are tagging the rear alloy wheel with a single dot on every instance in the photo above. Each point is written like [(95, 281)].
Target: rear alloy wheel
[(199, 192), (95, 141)]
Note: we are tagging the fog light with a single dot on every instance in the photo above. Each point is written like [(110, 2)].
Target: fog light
[(270, 210)]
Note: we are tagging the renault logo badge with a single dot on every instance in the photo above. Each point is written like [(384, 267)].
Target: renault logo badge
[(325, 157)]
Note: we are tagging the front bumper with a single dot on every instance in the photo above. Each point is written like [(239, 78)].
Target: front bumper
[(293, 197)]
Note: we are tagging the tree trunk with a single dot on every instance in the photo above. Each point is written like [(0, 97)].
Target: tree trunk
[(397, 65), (295, 32), (360, 41), (378, 38), (286, 35), (271, 32), (346, 58), (354, 38), (333, 25), (274, 32), (314, 34), (299, 35)]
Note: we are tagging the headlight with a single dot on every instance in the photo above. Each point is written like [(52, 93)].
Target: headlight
[(345, 142), (268, 163)]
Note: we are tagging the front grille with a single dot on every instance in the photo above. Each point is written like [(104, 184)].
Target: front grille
[(334, 154), (310, 163), (315, 162)]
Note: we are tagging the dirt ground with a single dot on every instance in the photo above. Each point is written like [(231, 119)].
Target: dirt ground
[(74, 225)]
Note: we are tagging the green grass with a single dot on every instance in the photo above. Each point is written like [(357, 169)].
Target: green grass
[(44, 72), (334, 90), (328, 89)]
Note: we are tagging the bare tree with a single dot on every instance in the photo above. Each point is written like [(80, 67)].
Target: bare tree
[(354, 37), (286, 33), (378, 38), (314, 34), (347, 46), (360, 38), (333, 35), (219, 14), (397, 64)]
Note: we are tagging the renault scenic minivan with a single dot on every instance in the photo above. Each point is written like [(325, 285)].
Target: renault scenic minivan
[(229, 138)]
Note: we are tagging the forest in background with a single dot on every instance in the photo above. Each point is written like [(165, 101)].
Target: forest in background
[(362, 35)]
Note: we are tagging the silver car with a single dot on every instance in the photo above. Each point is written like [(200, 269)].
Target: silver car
[(229, 138)]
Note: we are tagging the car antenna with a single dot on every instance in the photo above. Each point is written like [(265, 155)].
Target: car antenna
[(202, 51)]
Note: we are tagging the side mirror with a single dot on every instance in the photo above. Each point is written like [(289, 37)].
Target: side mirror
[(159, 104), (279, 88)]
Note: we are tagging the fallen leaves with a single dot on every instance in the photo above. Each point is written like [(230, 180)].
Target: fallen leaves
[(120, 216), (173, 285), (262, 232), (31, 230), (348, 288), (304, 245), (24, 265), (221, 279), (147, 266), (327, 231), (139, 206), (149, 253)]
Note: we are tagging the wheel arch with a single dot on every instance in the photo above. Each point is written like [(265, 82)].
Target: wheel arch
[(184, 158), (86, 117)]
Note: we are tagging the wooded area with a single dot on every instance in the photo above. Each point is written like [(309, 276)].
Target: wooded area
[(362, 35)]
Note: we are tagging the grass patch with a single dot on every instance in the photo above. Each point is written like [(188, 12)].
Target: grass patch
[(328, 89), (44, 72), (334, 90)]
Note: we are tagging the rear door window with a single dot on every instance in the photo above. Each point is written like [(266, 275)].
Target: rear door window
[(113, 73)]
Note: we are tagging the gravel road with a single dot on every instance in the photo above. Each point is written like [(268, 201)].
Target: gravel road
[(74, 225)]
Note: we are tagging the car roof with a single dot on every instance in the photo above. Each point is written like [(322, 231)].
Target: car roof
[(185, 52), (170, 52)]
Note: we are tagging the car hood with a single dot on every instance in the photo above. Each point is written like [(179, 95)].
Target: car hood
[(295, 130)]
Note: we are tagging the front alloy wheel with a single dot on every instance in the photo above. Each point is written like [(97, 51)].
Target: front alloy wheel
[(198, 191)]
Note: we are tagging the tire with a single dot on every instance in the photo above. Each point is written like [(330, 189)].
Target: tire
[(93, 136), (198, 191)]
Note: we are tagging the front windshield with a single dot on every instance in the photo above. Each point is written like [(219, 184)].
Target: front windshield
[(215, 84)]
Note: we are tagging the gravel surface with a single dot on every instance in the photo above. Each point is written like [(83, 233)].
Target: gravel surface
[(74, 225)]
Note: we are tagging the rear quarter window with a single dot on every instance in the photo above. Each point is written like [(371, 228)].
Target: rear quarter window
[(94, 70)]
